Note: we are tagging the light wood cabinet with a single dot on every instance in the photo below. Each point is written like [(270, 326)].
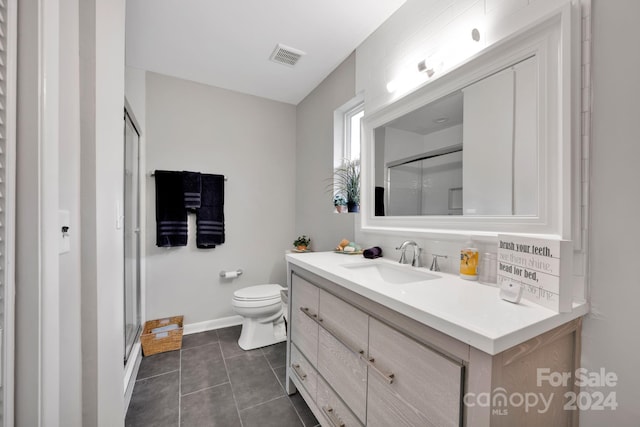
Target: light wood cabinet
[(342, 345), (410, 384), (344, 321), (333, 408), (304, 312), (359, 363), (304, 371)]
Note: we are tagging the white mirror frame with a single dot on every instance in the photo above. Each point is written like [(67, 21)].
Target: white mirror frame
[(553, 40)]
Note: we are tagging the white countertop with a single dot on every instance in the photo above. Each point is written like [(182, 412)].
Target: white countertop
[(466, 310)]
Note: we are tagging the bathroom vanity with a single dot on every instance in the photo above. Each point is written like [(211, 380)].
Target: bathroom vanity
[(376, 343)]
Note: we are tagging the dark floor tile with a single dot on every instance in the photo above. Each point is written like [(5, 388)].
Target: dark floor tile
[(229, 342), (276, 413), (155, 402), (305, 414), (252, 380), (281, 373), (157, 364), (202, 367), (276, 354), (201, 338), (212, 407)]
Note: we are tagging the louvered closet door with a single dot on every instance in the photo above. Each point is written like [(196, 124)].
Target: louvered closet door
[(8, 23)]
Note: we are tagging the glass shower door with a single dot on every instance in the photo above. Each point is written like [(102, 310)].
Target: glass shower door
[(131, 227)]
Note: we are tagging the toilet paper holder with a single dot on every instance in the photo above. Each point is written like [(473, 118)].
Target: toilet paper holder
[(230, 274)]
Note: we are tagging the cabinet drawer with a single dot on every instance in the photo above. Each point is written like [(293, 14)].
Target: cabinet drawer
[(304, 330), (302, 370), (345, 371), (334, 409), (410, 384), (345, 322)]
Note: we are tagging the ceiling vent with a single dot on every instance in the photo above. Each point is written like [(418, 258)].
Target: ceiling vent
[(286, 55)]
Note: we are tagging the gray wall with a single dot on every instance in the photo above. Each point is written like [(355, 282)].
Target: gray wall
[(251, 141), (610, 333), (315, 214)]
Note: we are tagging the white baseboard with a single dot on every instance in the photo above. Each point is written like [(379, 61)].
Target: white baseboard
[(209, 325)]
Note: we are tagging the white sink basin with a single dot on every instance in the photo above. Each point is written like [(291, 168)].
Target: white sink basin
[(390, 273)]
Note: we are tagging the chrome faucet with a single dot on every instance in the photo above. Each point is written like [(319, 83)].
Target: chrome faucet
[(434, 263), (415, 261)]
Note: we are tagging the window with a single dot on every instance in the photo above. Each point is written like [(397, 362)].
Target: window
[(352, 128), (347, 122)]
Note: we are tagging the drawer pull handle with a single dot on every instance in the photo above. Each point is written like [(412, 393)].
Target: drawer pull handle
[(306, 311), (301, 375), (370, 361), (320, 321), (332, 417)]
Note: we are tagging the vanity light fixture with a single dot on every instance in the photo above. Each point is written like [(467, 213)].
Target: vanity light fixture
[(422, 67)]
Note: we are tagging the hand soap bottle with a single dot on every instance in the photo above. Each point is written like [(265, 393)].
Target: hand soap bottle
[(469, 262)]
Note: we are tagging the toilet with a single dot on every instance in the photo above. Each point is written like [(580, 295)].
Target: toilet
[(263, 312)]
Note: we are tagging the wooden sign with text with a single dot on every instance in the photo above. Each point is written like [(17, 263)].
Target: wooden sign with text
[(542, 267)]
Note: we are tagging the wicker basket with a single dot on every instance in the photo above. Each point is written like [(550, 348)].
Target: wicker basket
[(161, 341)]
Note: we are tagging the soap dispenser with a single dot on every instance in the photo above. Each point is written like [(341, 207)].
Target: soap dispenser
[(469, 261)]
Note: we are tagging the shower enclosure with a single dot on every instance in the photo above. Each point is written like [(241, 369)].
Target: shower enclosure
[(132, 318)]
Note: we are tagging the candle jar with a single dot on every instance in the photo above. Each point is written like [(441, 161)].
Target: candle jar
[(488, 268)]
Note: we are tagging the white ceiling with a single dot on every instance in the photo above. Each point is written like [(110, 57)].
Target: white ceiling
[(440, 114), (228, 43)]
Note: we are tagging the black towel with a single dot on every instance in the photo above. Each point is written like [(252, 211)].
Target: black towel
[(210, 215), (171, 216), (192, 188), (372, 253)]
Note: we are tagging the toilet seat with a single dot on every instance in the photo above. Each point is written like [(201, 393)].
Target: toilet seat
[(258, 293), (260, 304)]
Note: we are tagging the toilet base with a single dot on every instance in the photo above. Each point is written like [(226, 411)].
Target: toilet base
[(256, 334)]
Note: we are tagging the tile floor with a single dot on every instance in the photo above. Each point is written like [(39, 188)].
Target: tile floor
[(213, 382)]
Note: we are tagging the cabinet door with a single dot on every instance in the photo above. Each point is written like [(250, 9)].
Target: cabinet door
[(342, 338), (333, 408), (304, 306), (302, 370), (408, 383), (344, 321)]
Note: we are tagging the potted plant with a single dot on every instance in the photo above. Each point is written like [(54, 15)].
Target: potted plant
[(340, 202), (346, 180), (302, 243)]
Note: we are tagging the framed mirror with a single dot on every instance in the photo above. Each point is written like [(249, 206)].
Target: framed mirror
[(484, 148)]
